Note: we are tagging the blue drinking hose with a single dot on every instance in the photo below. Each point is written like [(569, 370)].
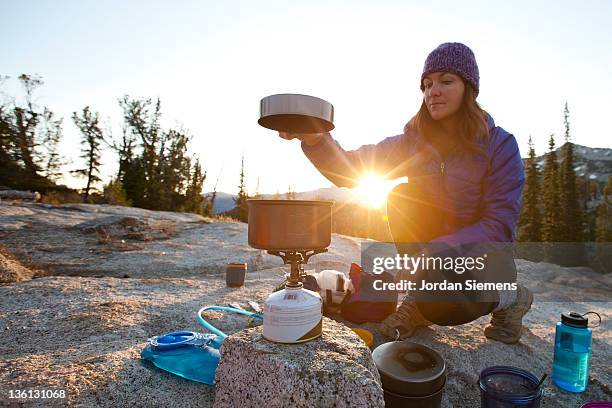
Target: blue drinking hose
[(212, 328)]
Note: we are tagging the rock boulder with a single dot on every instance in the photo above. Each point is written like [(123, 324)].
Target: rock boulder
[(334, 370)]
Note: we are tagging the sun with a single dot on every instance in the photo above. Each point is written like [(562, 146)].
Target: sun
[(372, 190)]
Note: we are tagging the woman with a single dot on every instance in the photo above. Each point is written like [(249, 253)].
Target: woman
[(465, 182)]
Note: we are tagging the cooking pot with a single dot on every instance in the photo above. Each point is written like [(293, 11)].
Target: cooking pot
[(411, 374), (296, 113), (289, 225)]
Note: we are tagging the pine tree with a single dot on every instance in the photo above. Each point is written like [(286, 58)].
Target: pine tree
[(603, 222), (571, 227), (290, 194), (53, 160), (9, 166), (209, 208), (552, 213), (26, 123), (142, 119), (155, 167), (240, 210), (92, 136), (29, 139), (115, 194), (133, 181), (530, 222), (175, 172), (193, 196), (124, 149)]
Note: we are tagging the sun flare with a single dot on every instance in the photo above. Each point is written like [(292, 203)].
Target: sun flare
[(372, 190)]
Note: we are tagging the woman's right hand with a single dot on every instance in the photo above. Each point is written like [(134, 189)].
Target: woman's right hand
[(309, 138)]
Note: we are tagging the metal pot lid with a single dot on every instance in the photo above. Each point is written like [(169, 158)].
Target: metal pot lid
[(296, 113), (409, 369)]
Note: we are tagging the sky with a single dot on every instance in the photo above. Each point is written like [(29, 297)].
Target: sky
[(210, 63)]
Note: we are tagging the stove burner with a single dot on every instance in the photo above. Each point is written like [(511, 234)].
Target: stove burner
[(296, 259)]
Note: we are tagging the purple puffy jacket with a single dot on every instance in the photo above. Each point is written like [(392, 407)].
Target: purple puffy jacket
[(484, 195)]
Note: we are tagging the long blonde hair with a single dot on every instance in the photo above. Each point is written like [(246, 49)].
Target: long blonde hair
[(472, 132)]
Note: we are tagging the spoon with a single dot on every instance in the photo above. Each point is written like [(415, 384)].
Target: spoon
[(541, 381)]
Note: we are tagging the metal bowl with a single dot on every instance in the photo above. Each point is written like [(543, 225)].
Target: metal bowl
[(289, 225), (296, 113)]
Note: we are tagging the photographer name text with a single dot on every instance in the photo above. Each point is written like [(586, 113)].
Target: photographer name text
[(407, 285)]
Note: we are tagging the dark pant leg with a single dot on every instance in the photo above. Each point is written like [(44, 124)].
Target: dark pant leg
[(415, 218)]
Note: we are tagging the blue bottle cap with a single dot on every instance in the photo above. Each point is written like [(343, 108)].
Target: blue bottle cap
[(172, 340)]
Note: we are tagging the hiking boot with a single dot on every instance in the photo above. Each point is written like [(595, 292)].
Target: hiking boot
[(507, 324), (404, 321)]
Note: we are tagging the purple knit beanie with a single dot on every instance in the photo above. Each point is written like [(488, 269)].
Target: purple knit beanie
[(456, 58)]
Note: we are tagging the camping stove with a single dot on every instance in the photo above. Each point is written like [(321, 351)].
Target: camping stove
[(293, 314), (295, 230)]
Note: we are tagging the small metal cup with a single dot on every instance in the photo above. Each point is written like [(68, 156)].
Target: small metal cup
[(234, 274)]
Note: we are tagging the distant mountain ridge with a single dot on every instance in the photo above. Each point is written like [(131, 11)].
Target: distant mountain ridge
[(592, 162), (225, 201), (595, 163)]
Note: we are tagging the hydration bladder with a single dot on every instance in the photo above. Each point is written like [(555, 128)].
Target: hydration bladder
[(191, 355)]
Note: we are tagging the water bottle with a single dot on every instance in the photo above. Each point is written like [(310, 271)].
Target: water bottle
[(572, 352)]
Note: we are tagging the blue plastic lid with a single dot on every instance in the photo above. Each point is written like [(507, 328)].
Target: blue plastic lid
[(172, 340)]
